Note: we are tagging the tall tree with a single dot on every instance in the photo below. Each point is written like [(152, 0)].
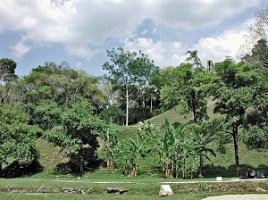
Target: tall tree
[(193, 58), (128, 71), (7, 69), (187, 87), (77, 136), (259, 28), (235, 92)]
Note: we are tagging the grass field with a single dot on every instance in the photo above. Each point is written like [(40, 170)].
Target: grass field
[(139, 188), (30, 196)]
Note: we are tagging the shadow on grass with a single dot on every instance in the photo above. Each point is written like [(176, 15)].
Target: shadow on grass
[(16, 169), (211, 171), (73, 169)]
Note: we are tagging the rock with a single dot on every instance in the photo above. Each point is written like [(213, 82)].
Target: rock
[(260, 189), (165, 190), (218, 178), (90, 190), (116, 190), (73, 191)]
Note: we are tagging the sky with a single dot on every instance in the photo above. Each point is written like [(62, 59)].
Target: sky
[(79, 32)]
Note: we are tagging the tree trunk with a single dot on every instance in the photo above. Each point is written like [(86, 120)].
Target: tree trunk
[(136, 170), (151, 106), (127, 101), (200, 165), (193, 107), (184, 168), (0, 170), (81, 167), (235, 139), (108, 156), (193, 167)]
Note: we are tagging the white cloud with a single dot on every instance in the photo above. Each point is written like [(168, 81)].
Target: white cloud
[(214, 48), (197, 13), (76, 23), (163, 53), (228, 43), (20, 49)]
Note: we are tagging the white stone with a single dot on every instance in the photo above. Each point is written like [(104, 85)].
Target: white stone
[(219, 178), (165, 190)]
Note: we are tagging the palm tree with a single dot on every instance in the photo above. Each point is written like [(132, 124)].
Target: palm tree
[(193, 57)]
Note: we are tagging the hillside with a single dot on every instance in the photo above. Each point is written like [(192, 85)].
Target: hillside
[(222, 164), (171, 115)]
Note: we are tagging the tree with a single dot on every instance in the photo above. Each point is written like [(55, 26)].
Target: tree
[(7, 69), (128, 71), (235, 92), (187, 87), (259, 27), (260, 53), (193, 58), (63, 85), (17, 137), (77, 136), (255, 47), (113, 114)]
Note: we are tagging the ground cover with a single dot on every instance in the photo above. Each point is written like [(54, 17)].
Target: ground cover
[(33, 188)]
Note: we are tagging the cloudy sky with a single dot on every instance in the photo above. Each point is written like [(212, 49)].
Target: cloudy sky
[(79, 32)]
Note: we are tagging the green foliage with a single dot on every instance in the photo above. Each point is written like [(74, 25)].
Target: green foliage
[(63, 85), (46, 114), (188, 88), (17, 138), (110, 146), (7, 69), (113, 114), (77, 134), (235, 93), (255, 137), (193, 58), (130, 74)]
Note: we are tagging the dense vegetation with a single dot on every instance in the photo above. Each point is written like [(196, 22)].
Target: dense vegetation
[(78, 113)]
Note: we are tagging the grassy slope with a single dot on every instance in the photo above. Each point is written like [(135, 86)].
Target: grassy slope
[(223, 164), (171, 115), (220, 165)]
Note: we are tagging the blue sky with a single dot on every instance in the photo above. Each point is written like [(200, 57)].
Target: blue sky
[(79, 32)]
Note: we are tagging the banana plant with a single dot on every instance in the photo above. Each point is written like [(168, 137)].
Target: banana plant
[(200, 142), (110, 143), (138, 149), (167, 144)]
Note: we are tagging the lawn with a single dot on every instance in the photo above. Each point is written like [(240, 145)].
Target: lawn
[(35, 196), (32, 188)]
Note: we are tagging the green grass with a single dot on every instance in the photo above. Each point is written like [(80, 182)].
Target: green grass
[(29, 188), (39, 196), (171, 115)]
